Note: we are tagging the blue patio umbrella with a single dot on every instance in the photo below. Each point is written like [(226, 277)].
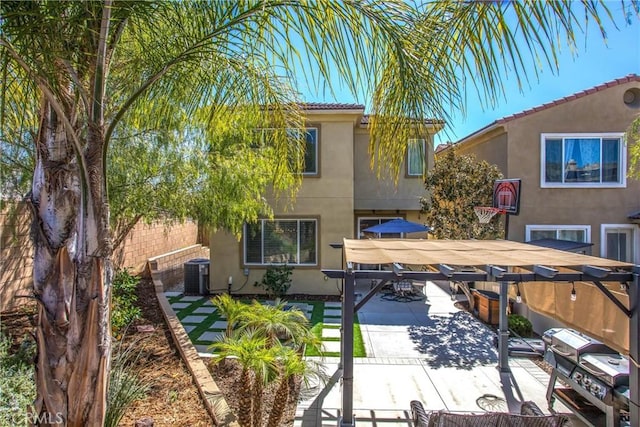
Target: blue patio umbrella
[(397, 226)]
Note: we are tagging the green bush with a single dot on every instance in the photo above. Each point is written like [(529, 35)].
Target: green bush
[(125, 387), (520, 325), (276, 280), (17, 385), (123, 299)]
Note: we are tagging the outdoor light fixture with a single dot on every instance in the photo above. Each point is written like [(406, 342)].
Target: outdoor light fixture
[(573, 292), (624, 286), (518, 296)]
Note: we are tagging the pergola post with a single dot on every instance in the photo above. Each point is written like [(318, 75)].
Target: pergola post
[(503, 329), (346, 358), (634, 350)]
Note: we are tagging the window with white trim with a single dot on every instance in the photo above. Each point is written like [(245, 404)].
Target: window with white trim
[(416, 149), (574, 233), (583, 160), (281, 241), (617, 242)]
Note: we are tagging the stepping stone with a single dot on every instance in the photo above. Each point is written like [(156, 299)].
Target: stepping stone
[(301, 306), (170, 294), (332, 320), (332, 311), (189, 328), (180, 305), (330, 333), (204, 310), (331, 346), (194, 319), (208, 303), (220, 325), (211, 336), (191, 298), (203, 349), (333, 304)]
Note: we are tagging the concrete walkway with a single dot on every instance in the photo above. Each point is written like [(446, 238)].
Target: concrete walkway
[(426, 350)]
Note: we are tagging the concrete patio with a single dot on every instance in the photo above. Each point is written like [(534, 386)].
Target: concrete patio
[(425, 350)]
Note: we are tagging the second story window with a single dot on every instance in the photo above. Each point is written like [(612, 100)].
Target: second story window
[(416, 157), (594, 160), (311, 152)]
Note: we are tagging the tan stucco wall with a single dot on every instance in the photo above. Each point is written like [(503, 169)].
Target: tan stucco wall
[(599, 112), (329, 198), (492, 148), (373, 193)]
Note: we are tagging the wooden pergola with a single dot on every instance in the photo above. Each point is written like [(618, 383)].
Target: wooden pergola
[(501, 261)]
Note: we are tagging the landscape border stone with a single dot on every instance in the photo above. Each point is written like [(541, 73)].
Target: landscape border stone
[(212, 396)]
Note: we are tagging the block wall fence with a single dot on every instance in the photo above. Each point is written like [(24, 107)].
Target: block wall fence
[(16, 251)]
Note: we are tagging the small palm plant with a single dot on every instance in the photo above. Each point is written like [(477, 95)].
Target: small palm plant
[(248, 348), (231, 309), (265, 371), (292, 367), (277, 323)]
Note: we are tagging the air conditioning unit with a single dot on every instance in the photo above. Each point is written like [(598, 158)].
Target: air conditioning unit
[(196, 276)]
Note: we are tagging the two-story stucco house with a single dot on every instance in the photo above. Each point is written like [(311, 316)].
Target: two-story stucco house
[(572, 157), (339, 197)]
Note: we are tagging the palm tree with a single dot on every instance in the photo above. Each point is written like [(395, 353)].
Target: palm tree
[(230, 308), (264, 370), (277, 323), (250, 350), (292, 367), (100, 68)]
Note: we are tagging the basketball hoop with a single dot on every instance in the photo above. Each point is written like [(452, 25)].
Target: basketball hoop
[(485, 213)]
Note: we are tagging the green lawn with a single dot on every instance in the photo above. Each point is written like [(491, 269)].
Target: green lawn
[(317, 326)]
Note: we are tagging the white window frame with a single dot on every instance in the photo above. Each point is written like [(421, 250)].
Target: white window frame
[(622, 167), (423, 158), (635, 239), (262, 222), (546, 227)]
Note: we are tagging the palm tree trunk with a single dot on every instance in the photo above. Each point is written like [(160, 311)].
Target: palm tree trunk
[(72, 277), (279, 403), (258, 387), (244, 413)]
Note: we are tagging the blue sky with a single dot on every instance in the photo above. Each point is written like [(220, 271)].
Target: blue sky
[(595, 63)]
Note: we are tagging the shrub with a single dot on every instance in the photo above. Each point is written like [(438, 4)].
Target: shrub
[(17, 385), (125, 387), (123, 299), (520, 325), (276, 280)]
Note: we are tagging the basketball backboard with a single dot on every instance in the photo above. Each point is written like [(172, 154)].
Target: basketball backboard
[(506, 195)]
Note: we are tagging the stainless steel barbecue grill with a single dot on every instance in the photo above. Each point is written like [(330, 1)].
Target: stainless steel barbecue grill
[(596, 378)]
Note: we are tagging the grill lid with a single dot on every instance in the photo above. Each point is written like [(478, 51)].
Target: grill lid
[(578, 343), (612, 368)]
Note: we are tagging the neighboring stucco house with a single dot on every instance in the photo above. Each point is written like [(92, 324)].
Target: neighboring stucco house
[(339, 196), (572, 159)]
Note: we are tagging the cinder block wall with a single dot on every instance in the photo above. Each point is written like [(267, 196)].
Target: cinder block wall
[(16, 256), (147, 241), (16, 252)]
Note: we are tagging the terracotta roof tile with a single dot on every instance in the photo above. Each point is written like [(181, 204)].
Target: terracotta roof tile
[(616, 82), (330, 106), (365, 121)]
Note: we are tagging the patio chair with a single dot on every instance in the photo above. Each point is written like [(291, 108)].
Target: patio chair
[(530, 416)]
